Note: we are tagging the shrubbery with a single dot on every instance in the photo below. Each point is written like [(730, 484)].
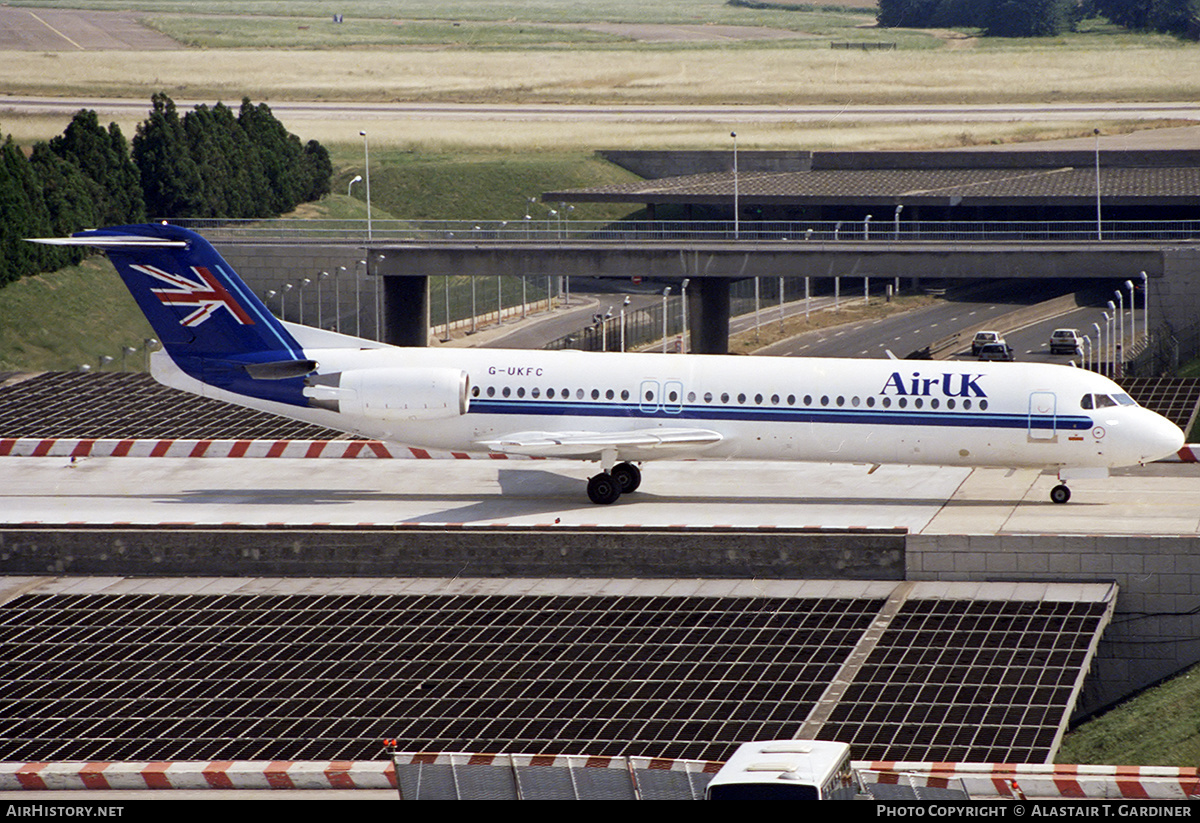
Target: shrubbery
[(209, 163)]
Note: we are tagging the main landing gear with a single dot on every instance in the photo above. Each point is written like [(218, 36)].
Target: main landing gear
[(607, 486)]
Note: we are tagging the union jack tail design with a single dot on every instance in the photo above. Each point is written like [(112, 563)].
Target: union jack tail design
[(207, 294)]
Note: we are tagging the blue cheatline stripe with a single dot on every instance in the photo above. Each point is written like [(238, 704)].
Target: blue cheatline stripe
[(251, 304), (742, 414)]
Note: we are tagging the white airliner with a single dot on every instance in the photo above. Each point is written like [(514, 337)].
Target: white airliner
[(620, 409)]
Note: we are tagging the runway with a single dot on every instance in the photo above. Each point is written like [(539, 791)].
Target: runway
[(1163, 499)]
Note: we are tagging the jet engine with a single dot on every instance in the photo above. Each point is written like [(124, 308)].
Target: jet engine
[(392, 394)]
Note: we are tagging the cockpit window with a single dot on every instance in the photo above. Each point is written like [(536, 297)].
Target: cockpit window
[(1104, 401)]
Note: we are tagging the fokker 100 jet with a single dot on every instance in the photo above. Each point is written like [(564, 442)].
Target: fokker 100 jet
[(620, 409)]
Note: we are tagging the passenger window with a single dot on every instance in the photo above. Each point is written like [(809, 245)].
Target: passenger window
[(741, 398), (624, 394), (506, 391), (491, 391), (983, 405), (708, 397), (610, 394), (521, 391), (535, 392), (758, 399)]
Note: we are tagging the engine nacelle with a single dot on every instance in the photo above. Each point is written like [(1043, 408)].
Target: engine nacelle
[(392, 394)]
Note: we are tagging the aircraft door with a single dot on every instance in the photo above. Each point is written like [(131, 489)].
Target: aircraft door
[(1043, 406), (672, 397), (648, 397)]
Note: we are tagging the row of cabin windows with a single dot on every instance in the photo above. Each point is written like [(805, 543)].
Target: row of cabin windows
[(672, 396)]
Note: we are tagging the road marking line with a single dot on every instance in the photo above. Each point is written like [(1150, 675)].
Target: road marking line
[(56, 31)]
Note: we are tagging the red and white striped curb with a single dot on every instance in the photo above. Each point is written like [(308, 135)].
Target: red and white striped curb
[(1190, 453), (199, 775), (333, 449), (1017, 781), (981, 780)]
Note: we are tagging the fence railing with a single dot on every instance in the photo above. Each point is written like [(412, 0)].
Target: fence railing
[(553, 231)]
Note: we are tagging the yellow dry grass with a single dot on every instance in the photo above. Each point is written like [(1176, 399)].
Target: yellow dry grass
[(683, 76)]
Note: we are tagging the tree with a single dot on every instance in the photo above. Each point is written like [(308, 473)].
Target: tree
[(103, 157), (23, 214), (1027, 18), (73, 200), (170, 179)]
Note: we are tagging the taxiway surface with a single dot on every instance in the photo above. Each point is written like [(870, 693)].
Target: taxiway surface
[(1163, 499)]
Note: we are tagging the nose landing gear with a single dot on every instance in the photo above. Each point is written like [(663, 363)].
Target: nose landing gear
[(1060, 493)]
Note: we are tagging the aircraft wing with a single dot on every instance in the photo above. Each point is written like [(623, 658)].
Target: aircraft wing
[(638, 444)]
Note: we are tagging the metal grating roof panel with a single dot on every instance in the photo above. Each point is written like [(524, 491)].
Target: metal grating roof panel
[(320, 676)]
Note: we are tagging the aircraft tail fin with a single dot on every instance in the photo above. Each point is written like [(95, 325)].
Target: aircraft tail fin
[(213, 327)]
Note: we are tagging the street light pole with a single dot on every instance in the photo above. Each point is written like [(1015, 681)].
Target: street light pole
[(736, 216), (367, 169), (665, 293), (683, 296)]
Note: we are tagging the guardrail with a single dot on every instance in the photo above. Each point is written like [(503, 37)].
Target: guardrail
[(552, 231)]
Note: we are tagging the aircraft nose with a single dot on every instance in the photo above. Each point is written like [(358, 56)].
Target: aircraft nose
[(1162, 439)]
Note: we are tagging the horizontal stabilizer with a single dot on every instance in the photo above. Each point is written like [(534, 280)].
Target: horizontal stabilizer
[(111, 242)]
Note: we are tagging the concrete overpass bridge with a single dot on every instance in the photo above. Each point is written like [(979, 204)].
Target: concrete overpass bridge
[(405, 259)]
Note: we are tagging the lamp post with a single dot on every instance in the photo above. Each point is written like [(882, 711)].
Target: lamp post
[(1146, 307), (320, 309), (1099, 225), (1087, 352), (1132, 315), (683, 347), (1121, 320), (270, 295), (896, 222), (1112, 335), (358, 298), (378, 287), (367, 169), (287, 287), (867, 227), (665, 293), (736, 216), (337, 299), (1097, 352), (623, 307), (357, 179), (300, 297)]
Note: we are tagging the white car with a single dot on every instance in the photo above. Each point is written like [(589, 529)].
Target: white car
[(1065, 341), (984, 338)]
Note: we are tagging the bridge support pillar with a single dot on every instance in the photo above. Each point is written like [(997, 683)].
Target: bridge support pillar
[(405, 310), (708, 308)]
